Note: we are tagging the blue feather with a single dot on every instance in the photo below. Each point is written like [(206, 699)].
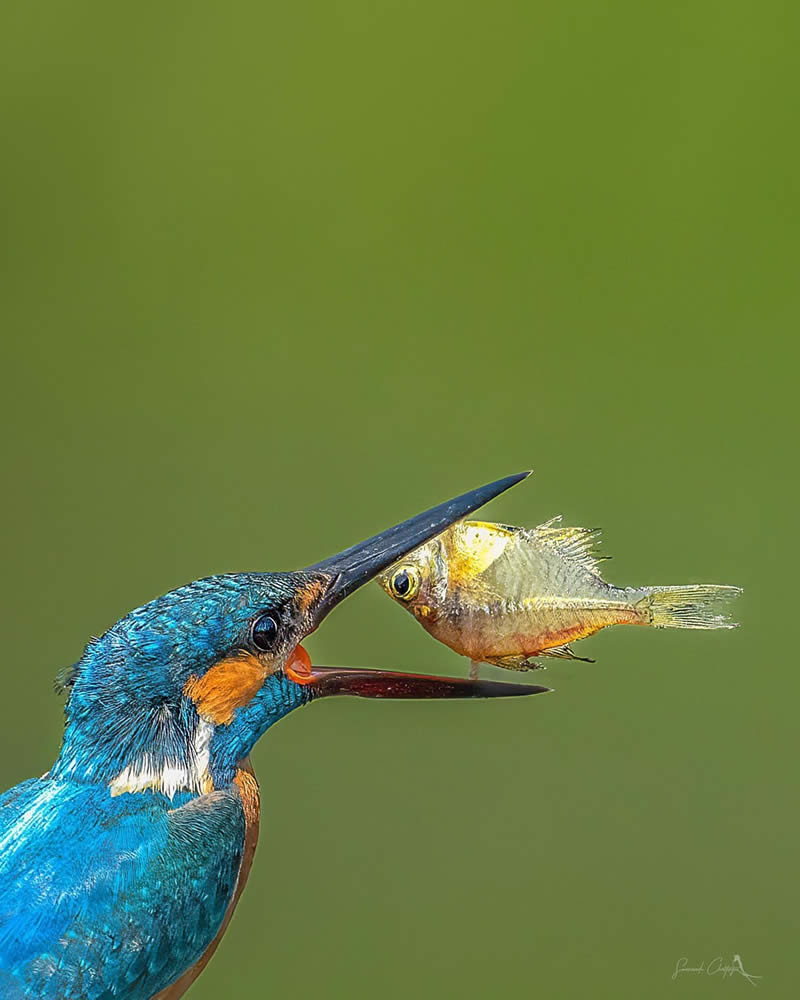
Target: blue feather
[(68, 851), (116, 895)]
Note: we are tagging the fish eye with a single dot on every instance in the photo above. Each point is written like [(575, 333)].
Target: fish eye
[(264, 633), (404, 583)]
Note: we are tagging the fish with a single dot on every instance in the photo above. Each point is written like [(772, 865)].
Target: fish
[(504, 595)]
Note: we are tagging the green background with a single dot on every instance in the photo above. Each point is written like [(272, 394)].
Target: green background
[(277, 276)]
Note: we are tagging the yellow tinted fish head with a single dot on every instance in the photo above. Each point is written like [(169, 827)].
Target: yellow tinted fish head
[(471, 547), (418, 582)]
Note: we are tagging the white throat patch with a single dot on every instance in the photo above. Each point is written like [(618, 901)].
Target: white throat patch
[(175, 776)]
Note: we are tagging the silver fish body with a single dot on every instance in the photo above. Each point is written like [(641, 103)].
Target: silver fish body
[(502, 595)]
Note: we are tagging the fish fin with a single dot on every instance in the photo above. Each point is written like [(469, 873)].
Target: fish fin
[(693, 606), (510, 528), (552, 523), (565, 653), (576, 545), (514, 662), (546, 559)]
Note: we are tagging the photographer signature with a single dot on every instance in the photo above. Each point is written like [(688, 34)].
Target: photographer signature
[(716, 967)]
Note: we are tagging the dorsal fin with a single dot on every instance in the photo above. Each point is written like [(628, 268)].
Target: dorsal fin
[(576, 545)]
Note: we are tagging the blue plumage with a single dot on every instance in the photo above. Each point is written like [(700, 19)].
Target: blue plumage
[(120, 867), (68, 849), (114, 888), (138, 670)]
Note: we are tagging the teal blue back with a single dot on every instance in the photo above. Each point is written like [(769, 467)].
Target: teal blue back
[(110, 897)]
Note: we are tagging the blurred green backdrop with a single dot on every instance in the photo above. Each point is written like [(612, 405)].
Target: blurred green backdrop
[(276, 276)]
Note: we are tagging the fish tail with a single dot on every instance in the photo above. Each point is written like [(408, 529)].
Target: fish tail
[(693, 606)]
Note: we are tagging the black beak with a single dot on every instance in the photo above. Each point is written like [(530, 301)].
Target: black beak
[(349, 570), (357, 565)]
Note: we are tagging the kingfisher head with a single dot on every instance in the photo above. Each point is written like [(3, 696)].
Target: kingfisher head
[(174, 695)]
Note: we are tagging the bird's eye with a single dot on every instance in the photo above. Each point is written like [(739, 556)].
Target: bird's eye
[(404, 583), (265, 633)]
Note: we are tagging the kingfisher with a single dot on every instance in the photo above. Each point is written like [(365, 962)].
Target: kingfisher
[(120, 868)]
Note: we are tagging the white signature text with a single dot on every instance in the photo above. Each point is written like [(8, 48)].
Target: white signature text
[(716, 967)]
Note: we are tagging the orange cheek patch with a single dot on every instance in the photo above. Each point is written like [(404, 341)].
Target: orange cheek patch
[(228, 685)]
